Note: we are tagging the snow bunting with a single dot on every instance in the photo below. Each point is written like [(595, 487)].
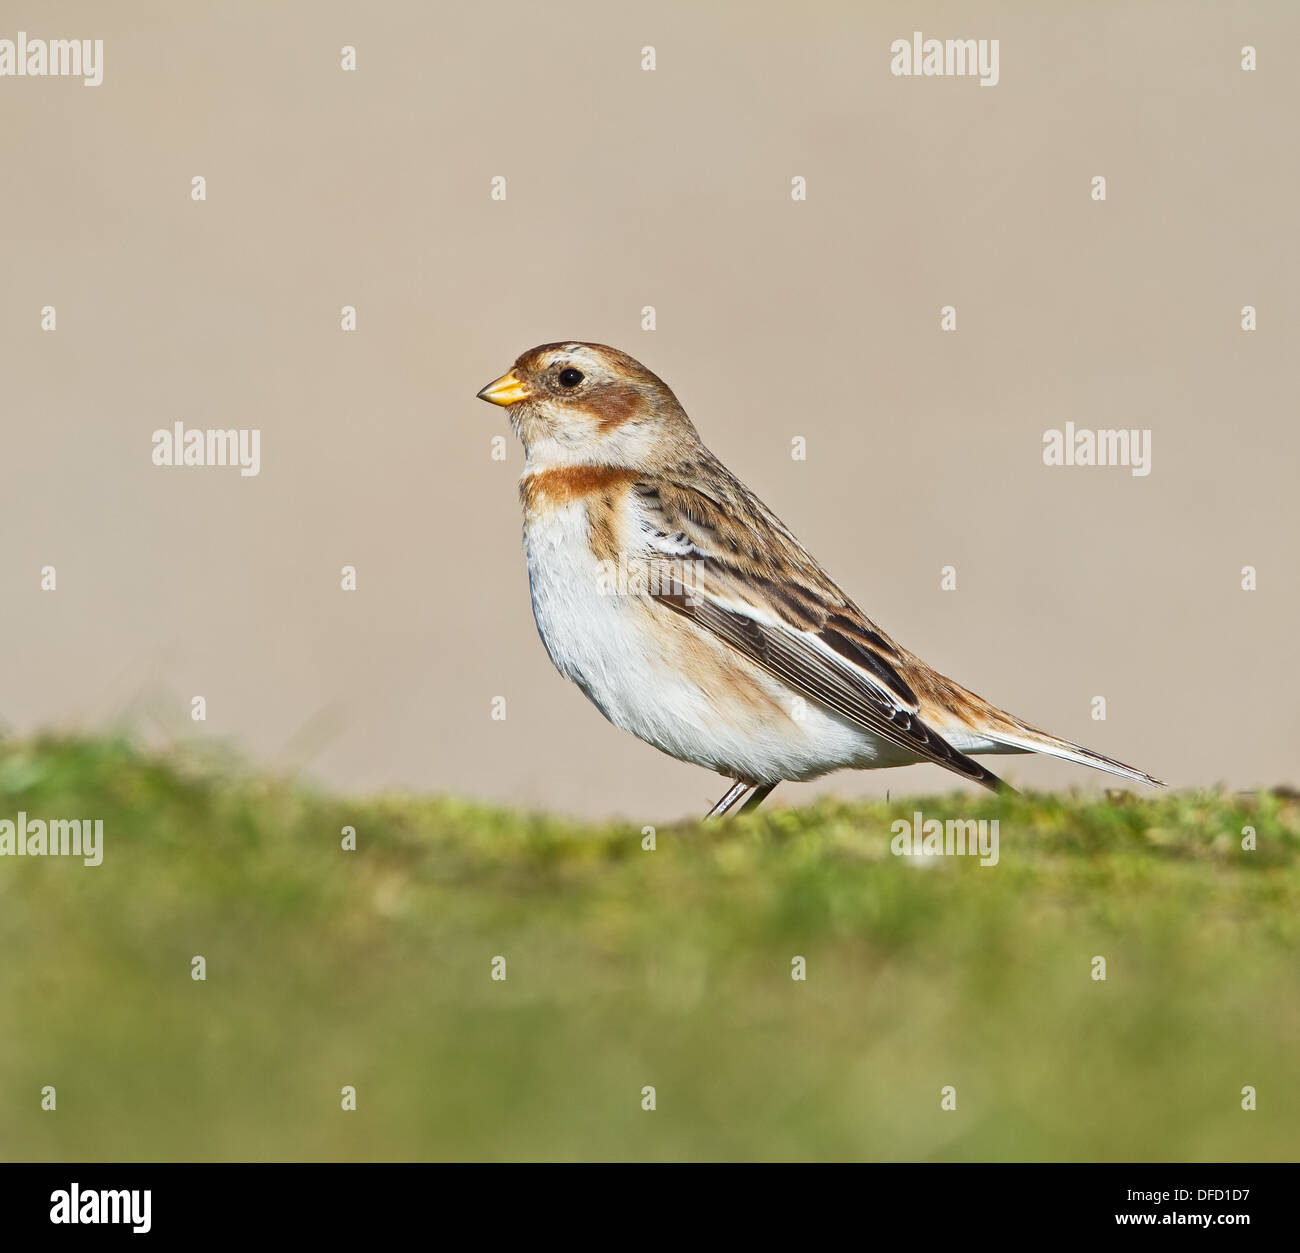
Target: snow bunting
[(691, 616)]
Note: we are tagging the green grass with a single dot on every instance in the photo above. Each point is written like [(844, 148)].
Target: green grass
[(629, 968)]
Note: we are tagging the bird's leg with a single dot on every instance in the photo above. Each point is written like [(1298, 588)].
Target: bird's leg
[(761, 794), (734, 793)]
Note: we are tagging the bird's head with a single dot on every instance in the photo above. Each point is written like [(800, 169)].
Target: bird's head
[(574, 403)]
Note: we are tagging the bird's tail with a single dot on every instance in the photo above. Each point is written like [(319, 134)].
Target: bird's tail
[(1029, 739)]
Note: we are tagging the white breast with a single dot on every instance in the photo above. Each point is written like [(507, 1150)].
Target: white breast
[(591, 635), (613, 647)]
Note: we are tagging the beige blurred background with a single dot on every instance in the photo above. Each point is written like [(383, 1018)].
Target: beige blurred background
[(775, 319)]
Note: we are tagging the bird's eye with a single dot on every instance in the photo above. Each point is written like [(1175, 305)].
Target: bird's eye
[(570, 377)]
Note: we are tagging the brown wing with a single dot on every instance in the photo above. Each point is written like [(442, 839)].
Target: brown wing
[(751, 583)]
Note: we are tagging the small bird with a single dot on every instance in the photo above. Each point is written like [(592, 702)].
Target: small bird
[(691, 616)]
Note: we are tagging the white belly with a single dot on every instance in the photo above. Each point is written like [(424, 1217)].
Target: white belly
[(620, 650)]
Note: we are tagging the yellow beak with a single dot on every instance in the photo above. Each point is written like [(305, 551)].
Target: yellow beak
[(504, 391)]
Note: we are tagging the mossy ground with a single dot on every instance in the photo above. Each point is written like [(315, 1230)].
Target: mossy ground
[(628, 968)]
